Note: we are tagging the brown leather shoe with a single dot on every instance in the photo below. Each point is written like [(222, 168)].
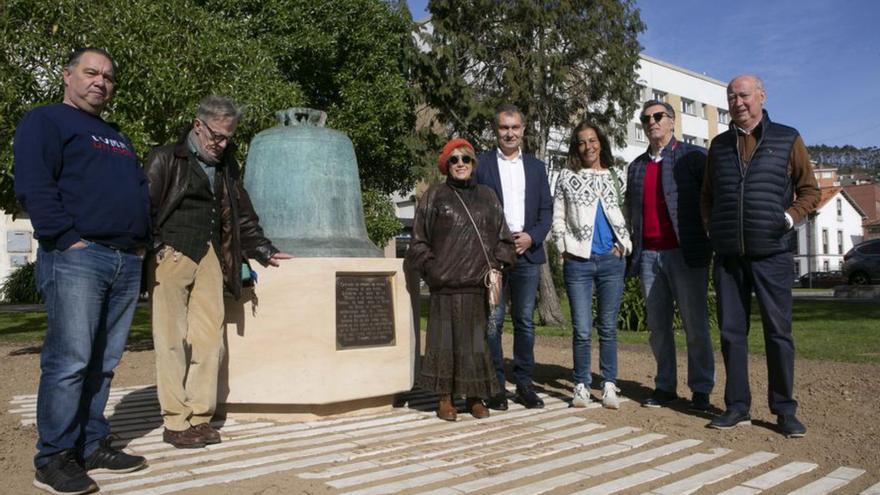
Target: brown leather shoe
[(476, 407), (186, 439), (446, 409), (207, 432)]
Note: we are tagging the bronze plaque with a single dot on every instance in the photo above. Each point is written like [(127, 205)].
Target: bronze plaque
[(364, 311)]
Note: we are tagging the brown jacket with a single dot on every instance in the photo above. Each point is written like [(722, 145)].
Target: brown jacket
[(241, 236), (445, 248)]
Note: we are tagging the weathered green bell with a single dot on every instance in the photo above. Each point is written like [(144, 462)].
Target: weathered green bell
[(303, 181)]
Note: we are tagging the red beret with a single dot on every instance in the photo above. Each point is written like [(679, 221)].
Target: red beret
[(448, 149)]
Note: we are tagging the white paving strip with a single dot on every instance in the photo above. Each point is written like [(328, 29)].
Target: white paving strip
[(534, 469), (655, 473), (476, 450), (376, 445), (517, 452), (321, 454), (874, 490), (772, 478), (832, 481), (714, 475), (603, 468), (427, 451)]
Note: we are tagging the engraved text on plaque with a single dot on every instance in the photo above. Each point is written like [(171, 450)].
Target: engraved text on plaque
[(364, 312)]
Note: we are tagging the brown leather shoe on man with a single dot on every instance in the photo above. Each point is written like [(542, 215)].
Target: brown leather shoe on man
[(186, 439), (446, 409), (207, 432), (476, 407)]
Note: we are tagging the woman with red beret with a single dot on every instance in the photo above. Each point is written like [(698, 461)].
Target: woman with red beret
[(458, 232)]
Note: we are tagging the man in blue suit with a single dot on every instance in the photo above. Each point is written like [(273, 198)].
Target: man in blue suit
[(520, 181)]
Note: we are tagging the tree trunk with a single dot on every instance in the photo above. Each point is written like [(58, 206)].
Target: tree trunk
[(549, 310)]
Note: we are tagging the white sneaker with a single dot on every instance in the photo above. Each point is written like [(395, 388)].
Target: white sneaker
[(581, 396), (609, 396)]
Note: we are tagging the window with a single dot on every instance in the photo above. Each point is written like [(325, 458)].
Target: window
[(723, 117), (839, 207), (796, 243), (687, 106), (643, 93), (703, 110), (825, 266), (839, 242), (689, 139), (640, 133), (825, 241), (797, 267), (658, 95)]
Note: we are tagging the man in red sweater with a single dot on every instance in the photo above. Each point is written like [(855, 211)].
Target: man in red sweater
[(671, 253)]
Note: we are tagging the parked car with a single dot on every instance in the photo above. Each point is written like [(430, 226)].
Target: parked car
[(861, 265), (822, 279)]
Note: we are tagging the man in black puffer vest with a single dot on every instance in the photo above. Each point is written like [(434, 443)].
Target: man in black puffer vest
[(759, 184)]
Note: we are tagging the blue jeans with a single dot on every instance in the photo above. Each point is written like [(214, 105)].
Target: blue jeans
[(521, 285), (606, 272), (90, 295), (667, 279)]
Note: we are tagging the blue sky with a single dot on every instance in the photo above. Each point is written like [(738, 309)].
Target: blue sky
[(820, 60)]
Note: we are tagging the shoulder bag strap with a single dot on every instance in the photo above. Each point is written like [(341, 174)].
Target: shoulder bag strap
[(476, 229)]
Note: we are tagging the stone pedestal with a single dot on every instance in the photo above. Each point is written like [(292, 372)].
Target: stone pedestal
[(318, 336)]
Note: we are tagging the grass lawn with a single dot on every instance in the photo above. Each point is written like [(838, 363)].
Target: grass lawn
[(827, 330), (29, 327), (823, 329)]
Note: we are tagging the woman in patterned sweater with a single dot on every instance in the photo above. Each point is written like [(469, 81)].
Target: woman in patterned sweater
[(590, 231)]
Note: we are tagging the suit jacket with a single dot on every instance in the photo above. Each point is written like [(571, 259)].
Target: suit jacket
[(539, 204)]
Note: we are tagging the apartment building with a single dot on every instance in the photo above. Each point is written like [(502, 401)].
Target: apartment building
[(700, 104)]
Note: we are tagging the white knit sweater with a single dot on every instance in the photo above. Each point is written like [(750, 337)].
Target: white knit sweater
[(574, 210)]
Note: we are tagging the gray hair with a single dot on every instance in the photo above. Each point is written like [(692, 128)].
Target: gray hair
[(667, 106), (219, 107), (75, 56), (507, 108)]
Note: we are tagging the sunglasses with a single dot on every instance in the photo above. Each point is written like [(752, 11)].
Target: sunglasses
[(658, 116), (453, 160)]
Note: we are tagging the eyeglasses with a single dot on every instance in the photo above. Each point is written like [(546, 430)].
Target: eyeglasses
[(658, 116), (215, 136), (453, 160)]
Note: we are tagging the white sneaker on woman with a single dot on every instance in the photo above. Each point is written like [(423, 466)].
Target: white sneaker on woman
[(609, 396), (581, 396)]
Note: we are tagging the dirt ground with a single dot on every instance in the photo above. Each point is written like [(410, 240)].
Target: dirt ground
[(839, 404)]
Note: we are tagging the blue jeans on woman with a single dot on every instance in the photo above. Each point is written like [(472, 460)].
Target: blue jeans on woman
[(606, 273), (90, 295)]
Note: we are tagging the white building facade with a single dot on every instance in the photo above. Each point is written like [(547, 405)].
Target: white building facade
[(825, 237), (700, 104), (17, 243)]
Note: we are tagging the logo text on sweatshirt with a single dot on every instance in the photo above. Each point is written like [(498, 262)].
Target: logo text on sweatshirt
[(112, 145)]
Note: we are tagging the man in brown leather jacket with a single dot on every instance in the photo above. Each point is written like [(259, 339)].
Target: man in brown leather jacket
[(204, 229)]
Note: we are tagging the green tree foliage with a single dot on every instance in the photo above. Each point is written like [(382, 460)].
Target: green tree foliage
[(345, 57), (382, 224), (557, 60), (20, 287), (349, 57)]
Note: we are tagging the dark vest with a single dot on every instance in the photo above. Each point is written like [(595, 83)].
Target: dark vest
[(196, 220), (748, 206)]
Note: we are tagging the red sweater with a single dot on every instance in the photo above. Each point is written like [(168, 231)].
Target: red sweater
[(657, 231)]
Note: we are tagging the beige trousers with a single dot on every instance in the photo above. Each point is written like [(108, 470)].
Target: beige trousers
[(187, 336)]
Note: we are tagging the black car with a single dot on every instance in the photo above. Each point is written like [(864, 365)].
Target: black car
[(861, 265), (823, 280)]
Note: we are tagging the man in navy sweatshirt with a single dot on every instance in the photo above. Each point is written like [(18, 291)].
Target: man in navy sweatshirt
[(80, 182)]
